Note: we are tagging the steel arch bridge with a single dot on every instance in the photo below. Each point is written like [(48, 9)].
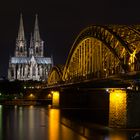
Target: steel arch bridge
[(100, 51), (55, 75)]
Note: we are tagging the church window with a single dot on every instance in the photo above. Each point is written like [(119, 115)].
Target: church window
[(21, 49), (34, 70), (12, 73)]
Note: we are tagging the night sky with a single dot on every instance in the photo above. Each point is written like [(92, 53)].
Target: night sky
[(60, 22)]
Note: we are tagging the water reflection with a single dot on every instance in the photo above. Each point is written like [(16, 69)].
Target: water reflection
[(20, 122), (33, 123), (124, 135), (41, 123), (54, 127), (60, 132), (118, 136)]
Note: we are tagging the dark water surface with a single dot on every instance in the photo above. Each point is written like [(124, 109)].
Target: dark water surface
[(43, 123), (33, 123)]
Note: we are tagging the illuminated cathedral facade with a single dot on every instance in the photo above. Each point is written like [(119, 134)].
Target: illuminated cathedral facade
[(29, 63)]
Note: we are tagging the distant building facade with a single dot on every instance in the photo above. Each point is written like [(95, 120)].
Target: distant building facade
[(29, 63)]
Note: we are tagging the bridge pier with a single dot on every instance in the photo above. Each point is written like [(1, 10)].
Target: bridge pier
[(55, 99), (118, 107), (124, 111), (133, 109)]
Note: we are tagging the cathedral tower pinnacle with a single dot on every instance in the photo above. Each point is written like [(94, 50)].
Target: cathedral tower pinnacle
[(34, 65), (36, 30), (38, 42), (21, 49), (21, 35)]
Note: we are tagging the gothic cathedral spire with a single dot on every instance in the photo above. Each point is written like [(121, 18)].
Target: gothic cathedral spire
[(21, 49), (33, 66), (36, 30), (38, 42), (21, 35)]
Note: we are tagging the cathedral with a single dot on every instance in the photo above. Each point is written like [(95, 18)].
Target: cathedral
[(29, 63)]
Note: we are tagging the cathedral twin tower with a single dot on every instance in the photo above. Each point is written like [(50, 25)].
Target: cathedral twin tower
[(29, 63)]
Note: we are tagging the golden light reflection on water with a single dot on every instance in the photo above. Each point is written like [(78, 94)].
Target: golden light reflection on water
[(57, 131), (31, 122), (117, 108), (118, 136), (20, 122), (43, 116), (53, 128)]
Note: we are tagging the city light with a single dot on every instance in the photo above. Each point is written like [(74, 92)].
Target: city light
[(107, 90), (49, 96), (31, 96)]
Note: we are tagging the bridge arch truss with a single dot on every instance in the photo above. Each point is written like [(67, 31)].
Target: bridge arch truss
[(55, 75), (101, 51)]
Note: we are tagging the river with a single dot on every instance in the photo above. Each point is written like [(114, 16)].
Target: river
[(44, 123)]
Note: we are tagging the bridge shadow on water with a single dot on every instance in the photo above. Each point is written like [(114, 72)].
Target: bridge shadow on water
[(94, 124), (86, 122), (86, 115)]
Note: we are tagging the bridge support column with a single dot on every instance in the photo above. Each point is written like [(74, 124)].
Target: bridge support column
[(124, 109), (55, 98), (117, 108)]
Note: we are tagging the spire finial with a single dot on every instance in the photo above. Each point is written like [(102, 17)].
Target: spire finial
[(36, 29), (36, 15), (21, 29)]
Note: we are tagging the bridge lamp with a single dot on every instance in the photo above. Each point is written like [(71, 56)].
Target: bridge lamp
[(107, 90), (117, 94), (31, 96), (49, 96), (129, 87), (52, 92), (137, 88)]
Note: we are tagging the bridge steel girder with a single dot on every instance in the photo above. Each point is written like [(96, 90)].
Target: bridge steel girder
[(56, 70), (104, 34)]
